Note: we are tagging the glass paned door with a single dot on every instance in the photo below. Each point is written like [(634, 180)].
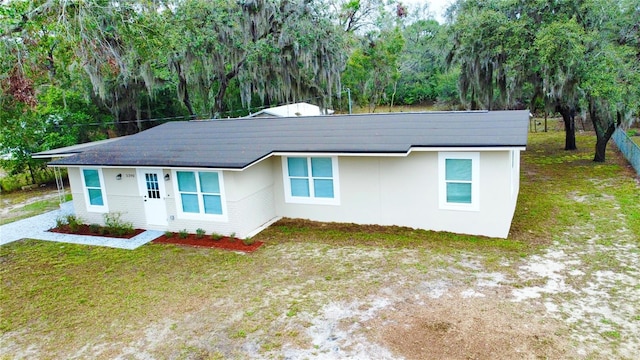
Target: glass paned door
[(153, 188)]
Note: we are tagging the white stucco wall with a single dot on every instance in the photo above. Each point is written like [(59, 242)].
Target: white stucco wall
[(122, 196), (249, 203), (404, 191), (373, 190)]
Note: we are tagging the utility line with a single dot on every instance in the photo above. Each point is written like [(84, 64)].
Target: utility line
[(191, 117)]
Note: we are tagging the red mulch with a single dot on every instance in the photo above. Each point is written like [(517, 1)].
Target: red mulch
[(86, 230), (225, 243)]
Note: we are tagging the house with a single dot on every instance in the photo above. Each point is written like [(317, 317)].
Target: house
[(444, 171), (292, 110)]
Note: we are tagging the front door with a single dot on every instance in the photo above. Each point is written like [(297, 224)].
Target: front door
[(151, 183)]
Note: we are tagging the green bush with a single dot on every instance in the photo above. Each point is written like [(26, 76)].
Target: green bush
[(200, 233), (95, 228), (60, 222), (168, 234), (215, 236), (13, 182), (116, 226), (248, 241), (73, 222), (183, 234)]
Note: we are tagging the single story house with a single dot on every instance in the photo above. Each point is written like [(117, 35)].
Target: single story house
[(444, 171), (292, 110)]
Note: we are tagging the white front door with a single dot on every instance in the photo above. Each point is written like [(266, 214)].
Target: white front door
[(152, 189)]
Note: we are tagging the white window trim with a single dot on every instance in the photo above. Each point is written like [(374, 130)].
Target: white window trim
[(475, 181), (311, 200), (85, 191), (199, 216)]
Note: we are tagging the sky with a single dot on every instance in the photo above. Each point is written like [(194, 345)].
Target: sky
[(437, 7)]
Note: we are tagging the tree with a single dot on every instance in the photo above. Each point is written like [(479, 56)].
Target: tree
[(569, 53), (278, 50), (486, 39), (612, 72), (422, 62), (374, 66), (561, 52)]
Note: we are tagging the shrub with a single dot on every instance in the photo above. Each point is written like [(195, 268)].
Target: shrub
[(60, 222), (215, 236), (183, 234), (95, 228), (248, 241), (73, 222), (232, 237), (200, 233), (115, 225), (168, 234)]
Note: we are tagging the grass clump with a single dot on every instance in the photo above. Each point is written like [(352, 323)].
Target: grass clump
[(200, 233), (215, 236), (182, 234)]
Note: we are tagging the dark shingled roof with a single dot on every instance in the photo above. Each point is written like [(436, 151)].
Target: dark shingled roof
[(236, 143)]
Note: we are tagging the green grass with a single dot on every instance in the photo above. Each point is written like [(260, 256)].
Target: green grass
[(73, 295), (51, 286), (32, 209)]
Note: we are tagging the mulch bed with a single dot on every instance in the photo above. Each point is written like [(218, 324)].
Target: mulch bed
[(86, 230), (225, 243)]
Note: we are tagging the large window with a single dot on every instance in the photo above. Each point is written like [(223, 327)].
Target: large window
[(311, 180), (93, 184), (459, 180), (200, 193)]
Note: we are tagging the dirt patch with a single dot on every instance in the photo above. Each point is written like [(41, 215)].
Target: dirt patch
[(471, 328), (225, 242)]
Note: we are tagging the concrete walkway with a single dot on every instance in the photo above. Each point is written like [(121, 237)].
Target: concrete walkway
[(36, 228)]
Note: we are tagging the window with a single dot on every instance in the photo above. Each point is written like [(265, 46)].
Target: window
[(200, 193), (459, 180), (311, 180), (94, 190)]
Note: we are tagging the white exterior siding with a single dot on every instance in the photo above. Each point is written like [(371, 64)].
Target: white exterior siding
[(122, 196), (385, 190), (404, 191), (249, 203)]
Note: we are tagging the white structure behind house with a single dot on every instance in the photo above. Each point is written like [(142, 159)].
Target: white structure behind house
[(292, 110)]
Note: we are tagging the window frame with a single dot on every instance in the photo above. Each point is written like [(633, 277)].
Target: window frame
[(475, 181), (104, 208), (311, 199), (201, 215)]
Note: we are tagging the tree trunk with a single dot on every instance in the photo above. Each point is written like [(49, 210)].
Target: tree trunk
[(219, 105), (602, 135), (33, 177), (183, 87), (568, 116), (224, 84), (474, 104)]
